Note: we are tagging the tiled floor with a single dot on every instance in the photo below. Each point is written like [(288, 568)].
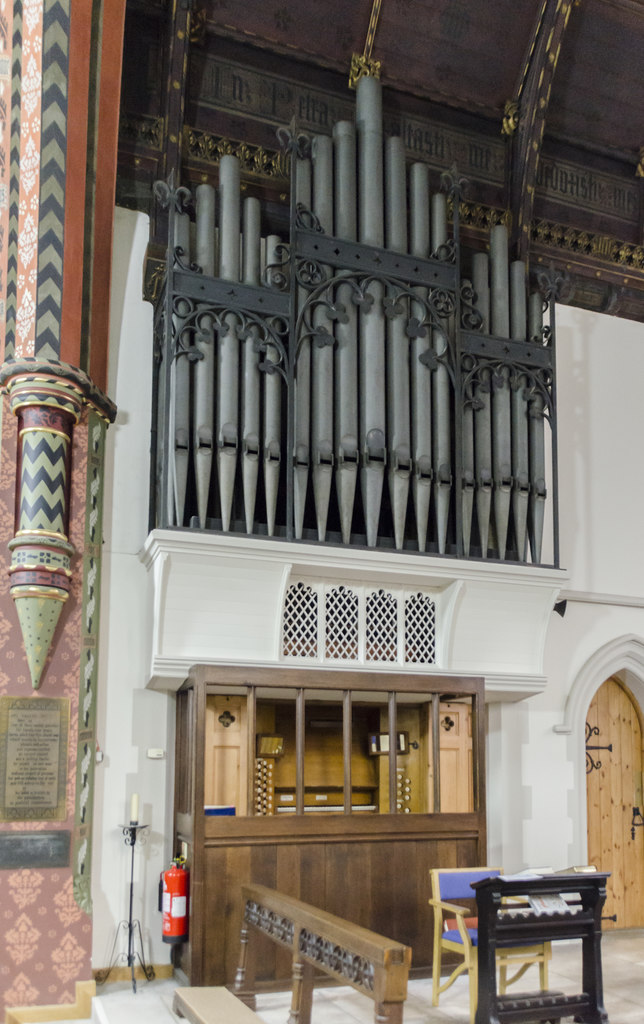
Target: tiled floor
[(623, 971)]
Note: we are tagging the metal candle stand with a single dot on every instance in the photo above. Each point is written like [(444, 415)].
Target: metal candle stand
[(130, 837)]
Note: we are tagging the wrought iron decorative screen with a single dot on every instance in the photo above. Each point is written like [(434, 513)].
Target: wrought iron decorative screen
[(363, 381)]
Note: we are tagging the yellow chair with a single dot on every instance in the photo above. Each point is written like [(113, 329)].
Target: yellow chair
[(455, 930)]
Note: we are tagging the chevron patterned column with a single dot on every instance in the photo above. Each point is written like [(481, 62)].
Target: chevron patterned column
[(48, 399)]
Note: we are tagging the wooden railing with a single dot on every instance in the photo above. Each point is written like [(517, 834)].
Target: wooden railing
[(376, 966)]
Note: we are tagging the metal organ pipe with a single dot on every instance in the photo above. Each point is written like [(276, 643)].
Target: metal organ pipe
[(421, 380), (204, 368), (272, 408), (322, 355), (467, 467), (301, 454), (399, 441), (482, 415), (520, 474), (250, 366), (228, 352), (442, 432), (537, 499), (372, 327), (180, 396), (346, 353), (501, 417)]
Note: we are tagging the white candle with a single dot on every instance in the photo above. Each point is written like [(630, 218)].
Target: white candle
[(134, 809)]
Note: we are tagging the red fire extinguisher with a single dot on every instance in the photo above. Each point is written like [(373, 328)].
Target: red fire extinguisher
[(175, 885)]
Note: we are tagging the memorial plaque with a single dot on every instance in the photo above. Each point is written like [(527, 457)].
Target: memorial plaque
[(34, 737), (35, 849)]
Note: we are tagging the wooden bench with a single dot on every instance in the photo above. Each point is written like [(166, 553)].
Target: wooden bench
[(211, 1005), (376, 966)]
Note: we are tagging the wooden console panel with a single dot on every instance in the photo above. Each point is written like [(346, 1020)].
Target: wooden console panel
[(369, 866)]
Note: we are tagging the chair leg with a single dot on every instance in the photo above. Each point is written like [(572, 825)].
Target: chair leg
[(474, 986), (503, 980), (543, 973), (436, 969)]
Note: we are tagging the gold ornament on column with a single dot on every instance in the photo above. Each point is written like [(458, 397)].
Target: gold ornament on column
[(48, 399)]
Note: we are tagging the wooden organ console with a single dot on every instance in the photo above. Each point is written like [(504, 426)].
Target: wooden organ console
[(332, 786), (524, 911)]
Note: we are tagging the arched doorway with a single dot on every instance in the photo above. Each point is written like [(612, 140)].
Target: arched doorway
[(613, 790)]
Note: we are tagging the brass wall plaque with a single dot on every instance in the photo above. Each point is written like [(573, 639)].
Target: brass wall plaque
[(34, 738)]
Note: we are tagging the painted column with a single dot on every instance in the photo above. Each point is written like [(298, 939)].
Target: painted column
[(47, 399)]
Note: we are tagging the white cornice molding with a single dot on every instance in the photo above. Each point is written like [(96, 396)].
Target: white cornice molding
[(341, 562)]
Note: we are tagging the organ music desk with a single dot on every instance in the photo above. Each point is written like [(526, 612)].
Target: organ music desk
[(507, 917)]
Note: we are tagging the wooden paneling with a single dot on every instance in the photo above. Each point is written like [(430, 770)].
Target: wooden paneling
[(371, 869), (380, 883)]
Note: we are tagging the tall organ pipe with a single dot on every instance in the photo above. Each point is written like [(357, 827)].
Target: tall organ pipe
[(346, 353), (537, 501), (399, 441), (442, 431), (250, 366), (467, 469), (301, 454), (421, 379), (272, 409), (322, 355), (180, 396), (204, 368), (520, 471), (482, 414), (372, 327), (228, 350), (501, 417)]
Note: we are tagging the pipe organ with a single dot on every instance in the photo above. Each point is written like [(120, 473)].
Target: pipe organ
[(364, 380)]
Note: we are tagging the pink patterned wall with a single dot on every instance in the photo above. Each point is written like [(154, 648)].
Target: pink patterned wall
[(44, 935)]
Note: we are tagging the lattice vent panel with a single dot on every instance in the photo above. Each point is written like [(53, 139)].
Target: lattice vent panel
[(382, 627), (342, 632), (420, 629), (300, 631), (354, 623)]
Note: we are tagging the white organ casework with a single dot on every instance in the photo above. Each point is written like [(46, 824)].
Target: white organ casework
[(364, 381)]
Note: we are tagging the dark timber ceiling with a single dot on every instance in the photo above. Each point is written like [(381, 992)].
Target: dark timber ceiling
[(471, 54), (569, 173)]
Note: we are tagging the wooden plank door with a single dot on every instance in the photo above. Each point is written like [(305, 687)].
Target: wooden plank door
[(226, 753), (456, 769), (613, 789)]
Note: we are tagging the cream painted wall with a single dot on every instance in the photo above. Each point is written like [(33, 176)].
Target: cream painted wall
[(131, 718), (536, 781), (600, 366)]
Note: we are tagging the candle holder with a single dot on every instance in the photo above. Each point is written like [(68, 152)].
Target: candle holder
[(132, 834)]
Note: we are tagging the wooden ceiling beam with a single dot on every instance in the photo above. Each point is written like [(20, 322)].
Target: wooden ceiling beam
[(525, 117)]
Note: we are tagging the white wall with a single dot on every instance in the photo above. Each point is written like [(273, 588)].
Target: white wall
[(600, 364), (131, 718), (536, 780)]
